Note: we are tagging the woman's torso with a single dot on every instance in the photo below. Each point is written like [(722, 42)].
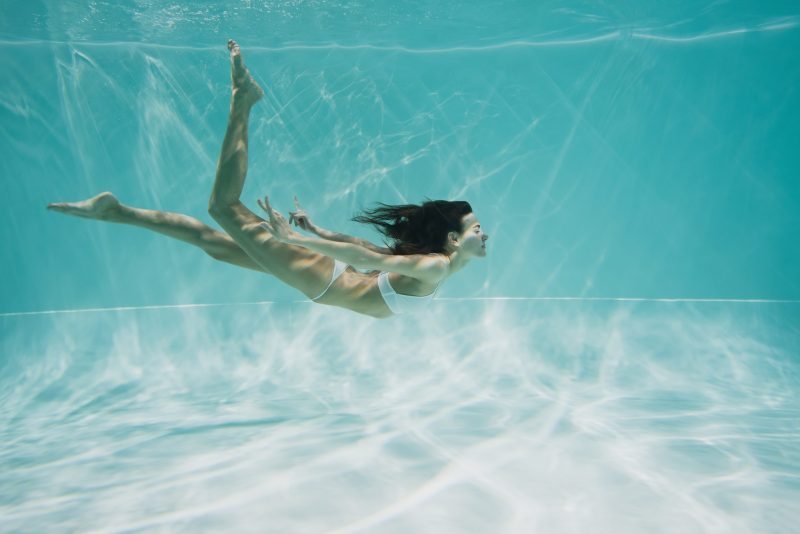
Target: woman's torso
[(359, 291)]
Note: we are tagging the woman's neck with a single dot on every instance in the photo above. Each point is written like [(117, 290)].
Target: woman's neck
[(457, 261)]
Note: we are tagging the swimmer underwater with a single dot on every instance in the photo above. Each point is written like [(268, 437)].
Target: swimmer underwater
[(431, 241)]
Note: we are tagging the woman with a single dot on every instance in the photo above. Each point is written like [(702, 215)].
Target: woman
[(432, 241)]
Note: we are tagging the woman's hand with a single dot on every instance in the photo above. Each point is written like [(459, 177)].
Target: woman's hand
[(300, 217), (277, 224)]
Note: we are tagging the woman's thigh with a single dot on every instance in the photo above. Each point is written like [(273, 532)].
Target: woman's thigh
[(222, 247), (305, 270)]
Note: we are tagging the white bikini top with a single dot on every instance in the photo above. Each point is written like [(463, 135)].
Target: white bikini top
[(399, 303)]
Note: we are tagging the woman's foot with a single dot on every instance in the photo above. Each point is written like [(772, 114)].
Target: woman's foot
[(103, 207), (246, 91)]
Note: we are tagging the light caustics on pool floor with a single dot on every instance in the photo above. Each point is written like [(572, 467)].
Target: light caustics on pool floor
[(510, 417)]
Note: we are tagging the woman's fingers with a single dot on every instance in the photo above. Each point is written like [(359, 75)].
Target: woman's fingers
[(299, 218), (266, 226), (265, 205), (293, 214), (274, 215)]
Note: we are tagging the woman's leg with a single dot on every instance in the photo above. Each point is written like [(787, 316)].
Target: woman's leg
[(106, 207), (299, 267)]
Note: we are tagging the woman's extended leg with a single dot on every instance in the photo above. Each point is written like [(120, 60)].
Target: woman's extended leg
[(106, 207), (299, 267)]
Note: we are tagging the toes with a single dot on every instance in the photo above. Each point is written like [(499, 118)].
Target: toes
[(236, 54)]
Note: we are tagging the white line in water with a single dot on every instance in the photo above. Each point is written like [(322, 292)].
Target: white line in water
[(131, 308), (602, 299), (634, 299), (325, 46)]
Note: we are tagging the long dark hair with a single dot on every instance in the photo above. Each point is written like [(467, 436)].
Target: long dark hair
[(416, 229)]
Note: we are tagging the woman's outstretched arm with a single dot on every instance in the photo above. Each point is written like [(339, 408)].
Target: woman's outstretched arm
[(344, 238), (421, 266)]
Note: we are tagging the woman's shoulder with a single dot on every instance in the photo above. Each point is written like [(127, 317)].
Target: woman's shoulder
[(426, 267)]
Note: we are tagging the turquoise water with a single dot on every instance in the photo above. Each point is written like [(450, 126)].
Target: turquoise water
[(626, 358)]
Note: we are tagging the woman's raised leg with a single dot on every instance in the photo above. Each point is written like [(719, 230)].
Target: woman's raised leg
[(106, 207), (299, 267)]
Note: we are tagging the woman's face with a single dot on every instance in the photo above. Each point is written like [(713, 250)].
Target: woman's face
[(472, 240)]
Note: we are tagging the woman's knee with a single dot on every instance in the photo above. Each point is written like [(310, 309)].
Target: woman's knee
[(235, 212)]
